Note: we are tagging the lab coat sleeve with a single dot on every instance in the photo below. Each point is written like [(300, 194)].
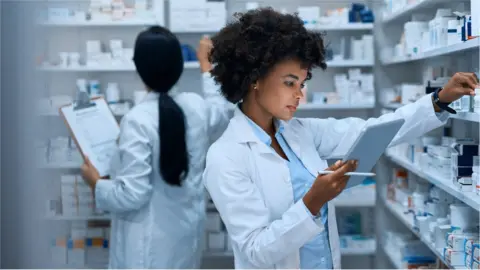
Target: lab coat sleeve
[(131, 188), (246, 217), (333, 138), (217, 107)]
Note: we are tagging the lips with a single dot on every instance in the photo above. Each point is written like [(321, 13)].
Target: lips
[(292, 108)]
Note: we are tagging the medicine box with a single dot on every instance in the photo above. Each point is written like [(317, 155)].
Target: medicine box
[(456, 242), (59, 251), (454, 258), (97, 251), (216, 241), (76, 252), (229, 242), (214, 223)]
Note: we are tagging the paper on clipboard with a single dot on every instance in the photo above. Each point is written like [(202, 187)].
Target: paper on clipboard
[(95, 131)]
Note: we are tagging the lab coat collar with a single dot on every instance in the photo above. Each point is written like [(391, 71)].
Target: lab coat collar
[(150, 96), (244, 133), (154, 95)]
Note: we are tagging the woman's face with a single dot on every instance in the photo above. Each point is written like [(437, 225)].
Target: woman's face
[(279, 92)]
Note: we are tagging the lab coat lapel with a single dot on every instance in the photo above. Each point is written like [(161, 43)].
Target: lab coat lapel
[(245, 134), (293, 140), (297, 144)]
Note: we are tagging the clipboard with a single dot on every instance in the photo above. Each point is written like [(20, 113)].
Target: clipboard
[(94, 129), (369, 146)]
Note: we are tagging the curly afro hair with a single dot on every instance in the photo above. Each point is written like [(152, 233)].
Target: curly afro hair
[(248, 48)]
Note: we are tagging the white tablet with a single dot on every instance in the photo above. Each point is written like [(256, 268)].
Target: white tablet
[(369, 146)]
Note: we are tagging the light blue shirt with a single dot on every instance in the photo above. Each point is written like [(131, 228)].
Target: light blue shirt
[(316, 253)]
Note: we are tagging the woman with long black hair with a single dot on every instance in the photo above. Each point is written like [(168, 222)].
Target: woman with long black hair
[(155, 193)]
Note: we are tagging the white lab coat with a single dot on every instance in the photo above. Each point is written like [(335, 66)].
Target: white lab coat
[(155, 225), (251, 187)]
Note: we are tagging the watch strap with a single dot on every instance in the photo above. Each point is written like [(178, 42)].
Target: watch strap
[(442, 105)]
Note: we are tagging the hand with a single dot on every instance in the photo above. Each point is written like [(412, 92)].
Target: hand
[(90, 173), (461, 84), (327, 187), (203, 53)]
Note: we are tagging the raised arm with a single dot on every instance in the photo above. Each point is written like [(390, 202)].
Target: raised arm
[(217, 106), (334, 137)]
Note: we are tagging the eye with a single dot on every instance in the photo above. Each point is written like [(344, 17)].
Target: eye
[(302, 86), (289, 84)]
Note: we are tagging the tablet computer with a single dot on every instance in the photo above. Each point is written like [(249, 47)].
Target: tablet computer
[(369, 146)]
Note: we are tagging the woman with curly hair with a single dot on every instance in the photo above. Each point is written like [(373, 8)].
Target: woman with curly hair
[(262, 172)]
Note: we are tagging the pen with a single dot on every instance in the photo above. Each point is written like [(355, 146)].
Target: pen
[(350, 173)]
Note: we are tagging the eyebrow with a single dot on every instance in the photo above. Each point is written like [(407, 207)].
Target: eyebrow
[(292, 76)]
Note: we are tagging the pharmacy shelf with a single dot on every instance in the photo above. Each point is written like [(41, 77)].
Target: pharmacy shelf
[(79, 218), (358, 251), (471, 199), (463, 46), (398, 211), (391, 256), (218, 254), (61, 165), (465, 116), (349, 63), (102, 23), (112, 68), (344, 27), (343, 251), (411, 8), (314, 106)]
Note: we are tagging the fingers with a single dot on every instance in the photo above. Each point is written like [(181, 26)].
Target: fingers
[(335, 166), (349, 166), (87, 161), (468, 81)]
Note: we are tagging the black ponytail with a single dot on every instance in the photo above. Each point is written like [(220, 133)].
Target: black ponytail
[(173, 147), (159, 62)]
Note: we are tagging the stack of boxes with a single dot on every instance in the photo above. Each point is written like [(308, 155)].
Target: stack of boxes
[(456, 251), (76, 197), (58, 150), (217, 239), (472, 250), (86, 246), (448, 158), (352, 88), (463, 154), (198, 15)]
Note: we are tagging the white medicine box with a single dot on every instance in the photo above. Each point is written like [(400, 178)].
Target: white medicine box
[(216, 241), (76, 253), (214, 222)]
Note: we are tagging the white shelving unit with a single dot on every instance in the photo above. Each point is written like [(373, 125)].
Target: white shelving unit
[(101, 23), (410, 9), (399, 212), (468, 198), (461, 57), (345, 27), (465, 116), (112, 68), (472, 44)]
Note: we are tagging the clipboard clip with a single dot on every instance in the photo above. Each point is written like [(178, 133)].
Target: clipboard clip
[(83, 101)]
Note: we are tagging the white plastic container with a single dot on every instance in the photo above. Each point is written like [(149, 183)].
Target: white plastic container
[(112, 93), (413, 36), (452, 36), (419, 202), (462, 217), (476, 101)]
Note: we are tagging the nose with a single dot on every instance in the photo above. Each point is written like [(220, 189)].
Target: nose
[(299, 93)]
